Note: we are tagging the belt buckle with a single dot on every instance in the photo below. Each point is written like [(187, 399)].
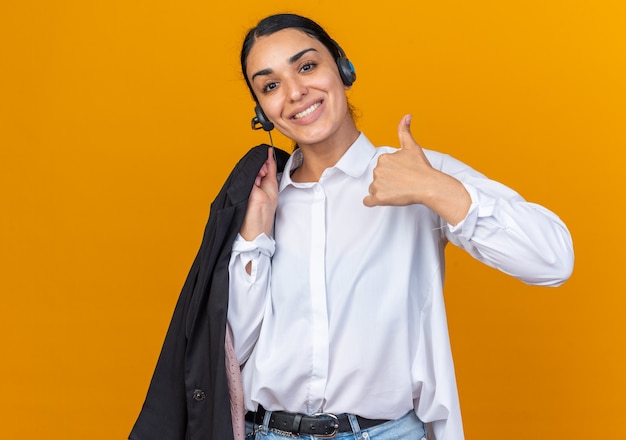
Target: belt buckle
[(336, 425)]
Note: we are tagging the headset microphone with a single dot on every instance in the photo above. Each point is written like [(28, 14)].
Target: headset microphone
[(260, 121)]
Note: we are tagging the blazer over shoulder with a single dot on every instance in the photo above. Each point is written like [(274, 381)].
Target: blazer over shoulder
[(188, 397)]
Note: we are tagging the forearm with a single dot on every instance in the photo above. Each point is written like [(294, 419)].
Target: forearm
[(446, 196)]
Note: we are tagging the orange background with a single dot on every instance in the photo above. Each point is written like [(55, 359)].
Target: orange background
[(120, 120)]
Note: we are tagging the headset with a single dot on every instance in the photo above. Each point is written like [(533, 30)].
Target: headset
[(345, 66), (260, 121), (346, 72)]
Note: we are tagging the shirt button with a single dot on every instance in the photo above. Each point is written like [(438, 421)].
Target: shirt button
[(199, 395)]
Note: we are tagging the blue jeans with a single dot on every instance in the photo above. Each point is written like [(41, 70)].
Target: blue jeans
[(408, 427)]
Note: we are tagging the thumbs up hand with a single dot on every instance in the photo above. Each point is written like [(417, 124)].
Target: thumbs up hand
[(406, 177), (402, 177)]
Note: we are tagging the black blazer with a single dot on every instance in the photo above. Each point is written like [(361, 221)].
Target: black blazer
[(188, 397)]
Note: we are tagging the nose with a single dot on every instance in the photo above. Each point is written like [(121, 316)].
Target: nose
[(296, 89)]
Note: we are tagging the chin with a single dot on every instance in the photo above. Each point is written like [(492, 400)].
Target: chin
[(310, 140), (312, 135)]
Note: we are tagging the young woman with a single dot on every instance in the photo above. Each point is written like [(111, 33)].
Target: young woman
[(336, 304)]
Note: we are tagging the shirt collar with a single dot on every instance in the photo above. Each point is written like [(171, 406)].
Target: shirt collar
[(354, 162)]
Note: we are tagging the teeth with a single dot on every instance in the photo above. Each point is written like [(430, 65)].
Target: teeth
[(307, 112)]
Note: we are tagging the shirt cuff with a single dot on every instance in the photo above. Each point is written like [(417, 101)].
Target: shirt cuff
[(262, 243), (482, 206)]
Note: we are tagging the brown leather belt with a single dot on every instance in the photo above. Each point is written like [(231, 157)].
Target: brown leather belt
[(322, 425)]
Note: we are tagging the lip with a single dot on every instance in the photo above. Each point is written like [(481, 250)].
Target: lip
[(304, 107)]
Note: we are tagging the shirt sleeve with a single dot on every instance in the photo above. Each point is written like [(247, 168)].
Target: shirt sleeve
[(504, 231), (248, 292)]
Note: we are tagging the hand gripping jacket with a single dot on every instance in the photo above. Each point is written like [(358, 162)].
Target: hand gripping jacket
[(189, 397)]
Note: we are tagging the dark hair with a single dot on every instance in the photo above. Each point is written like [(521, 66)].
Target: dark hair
[(275, 23)]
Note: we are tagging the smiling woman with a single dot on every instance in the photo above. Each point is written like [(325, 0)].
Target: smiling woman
[(322, 335), (297, 84)]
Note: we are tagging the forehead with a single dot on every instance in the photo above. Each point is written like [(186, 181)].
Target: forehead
[(270, 51)]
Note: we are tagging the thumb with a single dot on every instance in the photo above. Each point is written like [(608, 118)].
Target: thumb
[(404, 134), (271, 165), (271, 160)]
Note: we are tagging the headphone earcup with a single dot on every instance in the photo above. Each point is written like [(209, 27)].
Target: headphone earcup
[(346, 70)]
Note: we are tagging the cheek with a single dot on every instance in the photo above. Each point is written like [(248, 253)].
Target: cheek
[(337, 89), (271, 106)]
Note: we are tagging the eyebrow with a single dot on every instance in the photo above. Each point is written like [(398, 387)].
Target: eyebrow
[(293, 59)]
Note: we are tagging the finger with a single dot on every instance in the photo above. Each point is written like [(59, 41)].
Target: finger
[(268, 179), (271, 161), (404, 134), (369, 201), (264, 170)]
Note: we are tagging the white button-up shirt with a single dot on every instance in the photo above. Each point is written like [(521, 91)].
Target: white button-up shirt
[(343, 311)]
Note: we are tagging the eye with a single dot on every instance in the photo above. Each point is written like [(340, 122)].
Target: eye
[(269, 87), (308, 66)]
